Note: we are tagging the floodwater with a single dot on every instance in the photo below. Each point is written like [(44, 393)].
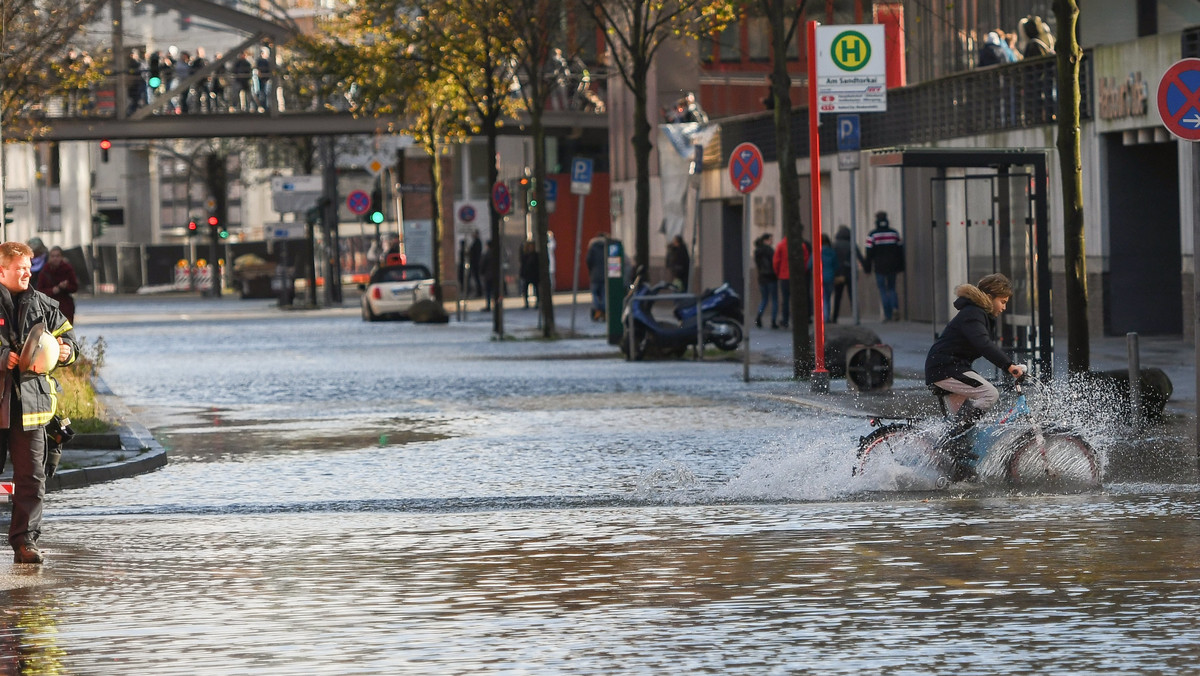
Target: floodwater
[(350, 498)]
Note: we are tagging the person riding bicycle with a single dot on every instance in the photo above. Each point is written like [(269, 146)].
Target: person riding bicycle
[(967, 337)]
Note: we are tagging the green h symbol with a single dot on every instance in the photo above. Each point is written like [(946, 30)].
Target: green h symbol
[(851, 50)]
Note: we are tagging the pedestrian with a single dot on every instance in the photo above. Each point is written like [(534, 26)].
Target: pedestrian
[(264, 68), (490, 268), (596, 254), (58, 281), (971, 334), (991, 52), (475, 263), (885, 255), (551, 247), (39, 259), (202, 86), (28, 399), (783, 274), (529, 272), (768, 281), (218, 86), (138, 72), (462, 267), (243, 74), (678, 263), (1040, 41), (829, 265), (844, 250)]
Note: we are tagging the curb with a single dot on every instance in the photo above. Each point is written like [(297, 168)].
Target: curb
[(146, 454)]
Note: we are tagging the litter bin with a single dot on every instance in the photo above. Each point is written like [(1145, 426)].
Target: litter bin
[(614, 289), (285, 286)]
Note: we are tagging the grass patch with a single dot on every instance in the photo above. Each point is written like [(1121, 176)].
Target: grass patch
[(77, 400)]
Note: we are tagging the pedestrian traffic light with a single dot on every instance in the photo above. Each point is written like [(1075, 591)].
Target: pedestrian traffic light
[(105, 144), (192, 227), (154, 82), (8, 214)]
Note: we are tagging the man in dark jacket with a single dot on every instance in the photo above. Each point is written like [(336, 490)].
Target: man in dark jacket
[(949, 364), (885, 255), (28, 398), (597, 253)]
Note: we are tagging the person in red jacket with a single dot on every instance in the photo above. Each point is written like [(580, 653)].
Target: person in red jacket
[(58, 281), (781, 271)]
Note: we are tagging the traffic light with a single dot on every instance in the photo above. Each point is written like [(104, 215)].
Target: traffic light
[(99, 223), (192, 227), (375, 215), (8, 214), (527, 192), (155, 82), (221, 230), (105, 144)]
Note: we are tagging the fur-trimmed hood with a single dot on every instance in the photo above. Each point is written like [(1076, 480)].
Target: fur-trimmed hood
[(975, 295)]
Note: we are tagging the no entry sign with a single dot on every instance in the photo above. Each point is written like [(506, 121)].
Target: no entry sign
[(1179, 99), (745, 167)]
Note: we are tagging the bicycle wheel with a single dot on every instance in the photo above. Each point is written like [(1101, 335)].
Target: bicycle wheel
[(1055, 459), (903, 453)]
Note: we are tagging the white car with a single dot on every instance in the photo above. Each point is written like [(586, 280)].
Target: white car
[(394, 289)]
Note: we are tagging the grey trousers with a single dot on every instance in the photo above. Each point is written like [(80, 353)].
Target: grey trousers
[(983, 394), (28, 452)]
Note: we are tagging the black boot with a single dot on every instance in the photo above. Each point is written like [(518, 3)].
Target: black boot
[(955, 443), (758, 321)]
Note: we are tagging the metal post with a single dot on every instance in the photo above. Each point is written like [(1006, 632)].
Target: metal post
[(854, 247), (575, 263), (1135, 381), (820, 376), (699, 331), (747, 258), (1195, 196)]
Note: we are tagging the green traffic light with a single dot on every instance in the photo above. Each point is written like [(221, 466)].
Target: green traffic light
[(224, 234), (376, 217), (155, 82), (533, 204)]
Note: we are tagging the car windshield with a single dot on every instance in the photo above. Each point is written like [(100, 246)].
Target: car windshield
[(400, 273)]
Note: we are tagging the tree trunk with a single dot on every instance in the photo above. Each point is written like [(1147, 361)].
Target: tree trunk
[(789, 191), (545, 289), (1068, 53), (641, 153), (490, 132)]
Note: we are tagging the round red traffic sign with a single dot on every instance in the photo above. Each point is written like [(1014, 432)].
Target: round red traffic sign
[(1179, 99), (501, 199), (745, 167), (358, 202)]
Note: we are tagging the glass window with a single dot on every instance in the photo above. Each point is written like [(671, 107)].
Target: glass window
[(729, 42), (758, 38)]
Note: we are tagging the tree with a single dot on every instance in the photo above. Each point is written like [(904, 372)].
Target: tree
[(538, 30), (399, 61), (783, 17), (635, 30), (34, 36), (1070, 162)]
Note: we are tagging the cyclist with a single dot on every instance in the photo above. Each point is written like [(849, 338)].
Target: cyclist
[(967, 337)]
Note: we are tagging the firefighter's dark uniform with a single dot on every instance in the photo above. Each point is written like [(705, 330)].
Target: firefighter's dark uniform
[(27, 404)]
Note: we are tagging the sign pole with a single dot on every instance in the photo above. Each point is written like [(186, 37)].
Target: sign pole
[(854, 248), (575, 262), (1196, 290), (745, 172), (820, 377)]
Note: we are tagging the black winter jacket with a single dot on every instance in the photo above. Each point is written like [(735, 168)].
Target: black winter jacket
[(969, 336), (38, 392)]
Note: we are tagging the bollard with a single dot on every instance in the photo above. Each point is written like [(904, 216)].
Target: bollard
[(1135, 381)]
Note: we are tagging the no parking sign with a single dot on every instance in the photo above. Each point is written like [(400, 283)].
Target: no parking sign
[(1179, 99)]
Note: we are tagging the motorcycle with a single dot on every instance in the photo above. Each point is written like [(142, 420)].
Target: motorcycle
[(720, 313)]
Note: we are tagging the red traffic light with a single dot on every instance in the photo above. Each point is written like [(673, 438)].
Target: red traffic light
[(212, 220), (105, 144), (192, 226)]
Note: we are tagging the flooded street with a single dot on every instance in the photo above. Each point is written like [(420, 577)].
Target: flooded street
[(353, 498)]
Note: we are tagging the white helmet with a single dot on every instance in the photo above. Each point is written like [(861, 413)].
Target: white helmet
[(40, 353)]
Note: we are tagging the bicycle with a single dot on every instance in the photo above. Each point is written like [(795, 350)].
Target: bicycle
[(1016, 446)]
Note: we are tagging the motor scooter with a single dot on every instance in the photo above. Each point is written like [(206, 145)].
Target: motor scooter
[(720, 313)]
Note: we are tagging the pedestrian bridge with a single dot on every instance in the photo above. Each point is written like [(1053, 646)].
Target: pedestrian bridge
[(204, 105)]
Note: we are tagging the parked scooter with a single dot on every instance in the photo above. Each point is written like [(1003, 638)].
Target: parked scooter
[(720, 311)]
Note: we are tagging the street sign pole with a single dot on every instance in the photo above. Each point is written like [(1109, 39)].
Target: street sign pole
[(745, 172), (854, 248)]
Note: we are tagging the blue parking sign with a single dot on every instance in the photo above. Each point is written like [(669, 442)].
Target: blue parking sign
[(848, 137), (581, 176)]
